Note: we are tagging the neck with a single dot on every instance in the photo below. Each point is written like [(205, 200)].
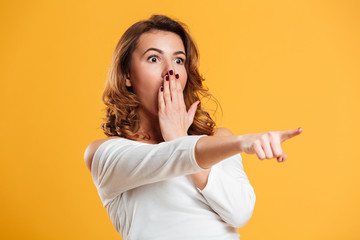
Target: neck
[(149, 125)]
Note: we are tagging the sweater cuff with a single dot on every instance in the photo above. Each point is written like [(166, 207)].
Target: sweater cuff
[(192, 152)]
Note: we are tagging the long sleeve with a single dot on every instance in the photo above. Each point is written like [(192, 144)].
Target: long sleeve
[(229, 192), (122, 164)]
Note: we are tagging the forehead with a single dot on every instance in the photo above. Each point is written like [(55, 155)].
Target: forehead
[(160, 39)]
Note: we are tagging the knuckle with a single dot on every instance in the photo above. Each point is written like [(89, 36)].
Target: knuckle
[(271, 134), (255, 143), (264, 137)]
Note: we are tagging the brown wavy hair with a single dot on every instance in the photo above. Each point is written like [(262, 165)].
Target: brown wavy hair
[(122, 103)]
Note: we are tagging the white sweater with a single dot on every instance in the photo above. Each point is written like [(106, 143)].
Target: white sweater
[(148, 194)]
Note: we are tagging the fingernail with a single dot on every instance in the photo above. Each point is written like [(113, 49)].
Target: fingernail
[(162, 89), (171, 72), (198, 104), (177, 76), (167, 77)]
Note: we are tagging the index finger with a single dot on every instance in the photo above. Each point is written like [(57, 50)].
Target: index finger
[(284, 135)]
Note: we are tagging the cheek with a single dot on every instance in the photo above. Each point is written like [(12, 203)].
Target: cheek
[(146, 85), (147, 80), (183, 79)]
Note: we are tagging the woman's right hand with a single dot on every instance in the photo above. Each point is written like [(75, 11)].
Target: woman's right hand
[(174, 118), (267, 145)]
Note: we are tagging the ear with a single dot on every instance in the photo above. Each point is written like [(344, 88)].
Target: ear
[(127, 80)]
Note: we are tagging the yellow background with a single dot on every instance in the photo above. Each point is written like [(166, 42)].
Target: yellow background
[(273, 65)]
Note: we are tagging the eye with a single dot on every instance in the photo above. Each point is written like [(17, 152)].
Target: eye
[(179, 60), (152, 58)]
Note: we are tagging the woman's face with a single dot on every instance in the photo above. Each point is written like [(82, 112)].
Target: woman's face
[(156, 53)]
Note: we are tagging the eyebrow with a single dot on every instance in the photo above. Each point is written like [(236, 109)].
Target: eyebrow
[(160, 51)]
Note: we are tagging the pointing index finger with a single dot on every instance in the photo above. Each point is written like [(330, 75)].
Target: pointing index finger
[(289, 134)]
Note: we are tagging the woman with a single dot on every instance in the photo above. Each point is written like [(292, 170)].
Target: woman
[(165, 171)]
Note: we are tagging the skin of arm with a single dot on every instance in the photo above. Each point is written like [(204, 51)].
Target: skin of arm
[(200, 179), (210, 150)]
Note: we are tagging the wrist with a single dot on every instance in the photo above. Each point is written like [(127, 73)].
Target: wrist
[(239, 143)]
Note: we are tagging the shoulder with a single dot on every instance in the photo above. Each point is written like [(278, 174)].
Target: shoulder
[(91, 149), (222, 132)]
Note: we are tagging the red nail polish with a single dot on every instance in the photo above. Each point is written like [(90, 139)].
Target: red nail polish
[(171, 72), (177, 76), (162, 89), (167, 77)]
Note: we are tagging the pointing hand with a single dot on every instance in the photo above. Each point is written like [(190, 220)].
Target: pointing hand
[(267, 145)]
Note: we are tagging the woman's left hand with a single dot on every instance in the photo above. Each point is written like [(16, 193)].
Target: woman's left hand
[(174, 119)]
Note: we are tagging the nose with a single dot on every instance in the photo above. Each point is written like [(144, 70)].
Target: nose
[(168, 65)]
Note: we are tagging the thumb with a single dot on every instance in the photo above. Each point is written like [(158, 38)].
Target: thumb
[(289, 134), (192, 110)]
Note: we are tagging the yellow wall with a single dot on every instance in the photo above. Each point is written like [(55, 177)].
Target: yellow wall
[(273, 65)]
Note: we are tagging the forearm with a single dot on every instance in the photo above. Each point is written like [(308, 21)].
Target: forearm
[(210, 150)]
